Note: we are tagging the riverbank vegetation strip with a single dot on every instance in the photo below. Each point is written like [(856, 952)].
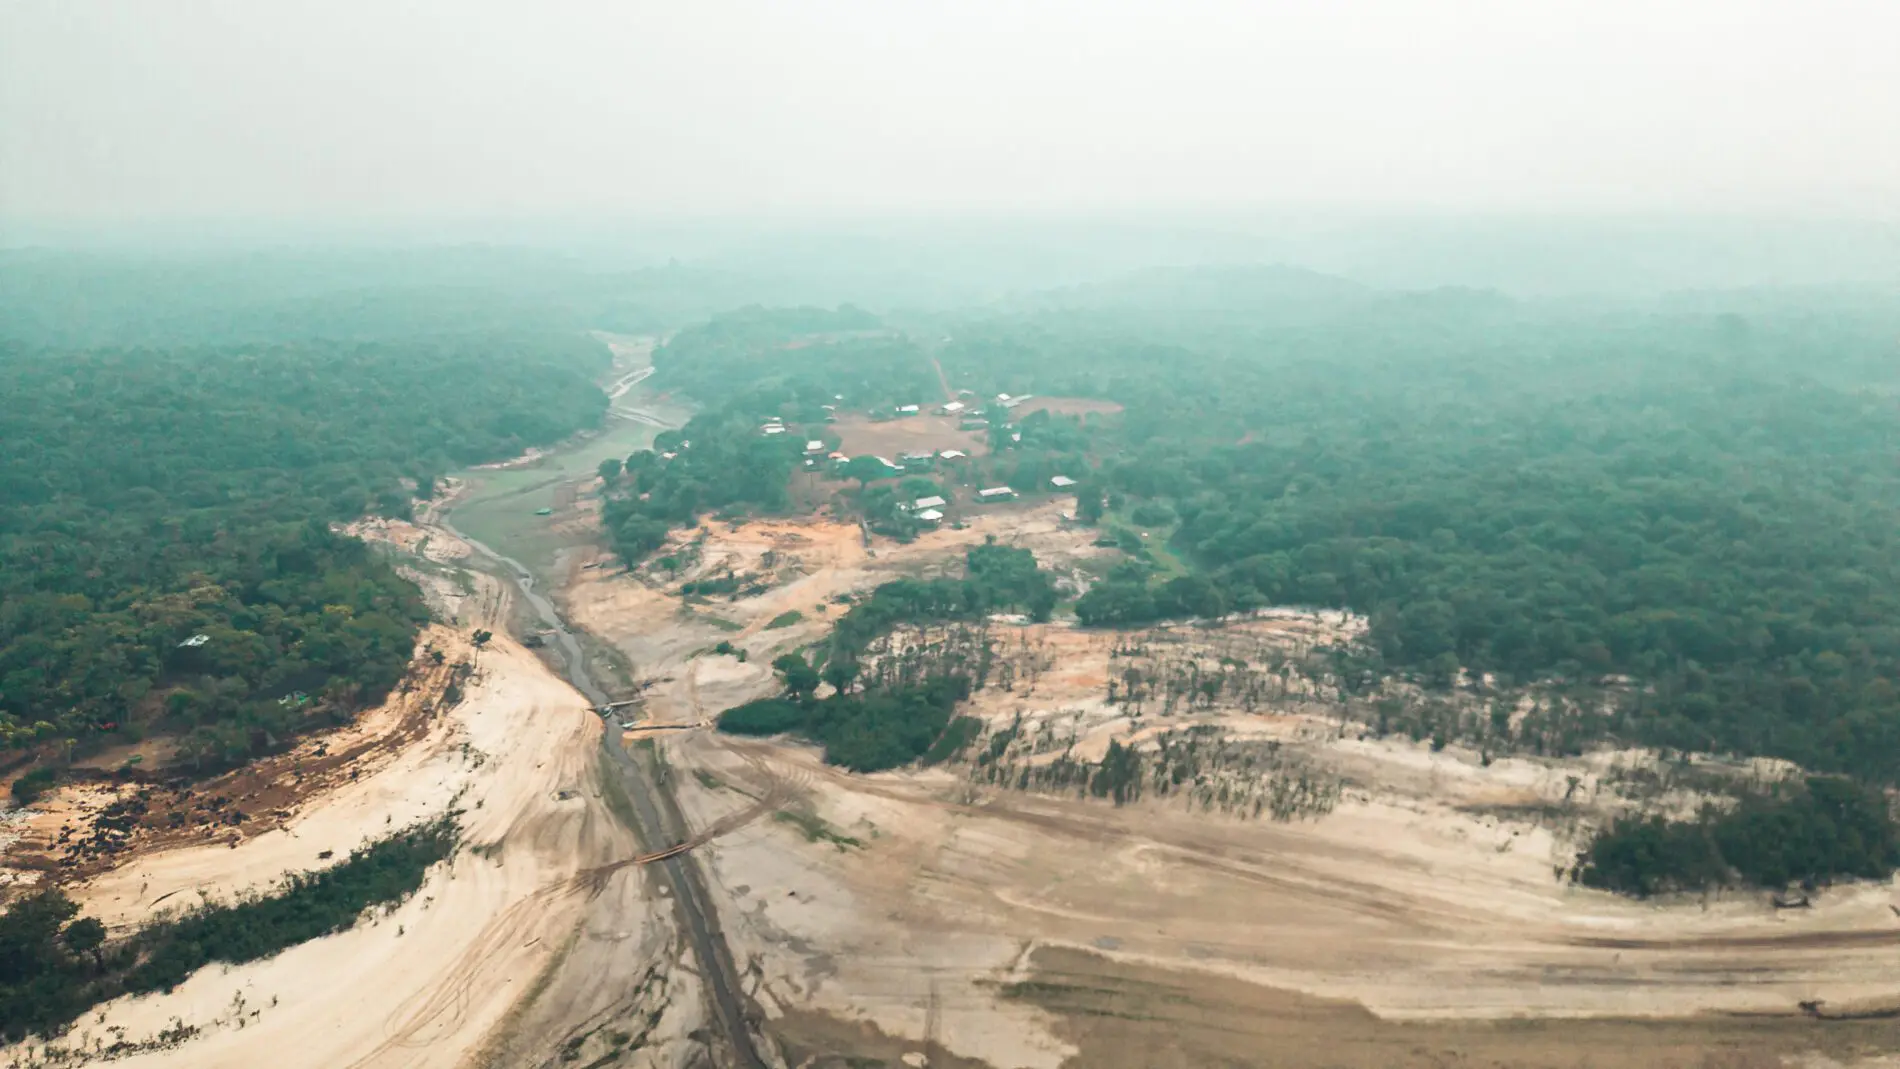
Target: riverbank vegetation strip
[(56, 965)]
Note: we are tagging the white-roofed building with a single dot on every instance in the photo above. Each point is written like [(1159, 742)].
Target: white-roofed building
[(928, 503), (952, 454), (1061, 482), (996, 493)]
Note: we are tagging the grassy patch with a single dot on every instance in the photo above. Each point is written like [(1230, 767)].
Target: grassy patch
[(785, 619), (708, 780), (615, 795), (814, 828), (1155, 546)]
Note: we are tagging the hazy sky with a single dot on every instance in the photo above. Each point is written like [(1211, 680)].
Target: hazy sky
[(380, 109)]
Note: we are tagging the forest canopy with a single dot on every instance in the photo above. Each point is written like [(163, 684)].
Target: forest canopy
[(1701, 499), (166, 558)]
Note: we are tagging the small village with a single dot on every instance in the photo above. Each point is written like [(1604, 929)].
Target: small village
[(950, 436)]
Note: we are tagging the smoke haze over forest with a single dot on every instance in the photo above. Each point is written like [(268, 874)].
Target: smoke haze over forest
[(364, 113)]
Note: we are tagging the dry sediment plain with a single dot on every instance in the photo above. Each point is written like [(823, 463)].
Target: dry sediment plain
[(1411, 913)]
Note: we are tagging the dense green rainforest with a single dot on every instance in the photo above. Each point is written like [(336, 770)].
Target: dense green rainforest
[(166, 558)]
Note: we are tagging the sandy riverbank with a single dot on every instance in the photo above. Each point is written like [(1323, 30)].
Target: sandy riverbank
[(431, 982)]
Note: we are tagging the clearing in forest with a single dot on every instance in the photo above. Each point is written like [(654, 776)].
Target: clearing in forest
[(862, 436)]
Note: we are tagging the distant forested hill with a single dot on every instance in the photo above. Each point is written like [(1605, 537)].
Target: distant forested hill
[(88, 300), (151, 495)]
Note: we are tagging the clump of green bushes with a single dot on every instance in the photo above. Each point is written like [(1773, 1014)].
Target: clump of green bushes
[(1811, 833), (864, 732)]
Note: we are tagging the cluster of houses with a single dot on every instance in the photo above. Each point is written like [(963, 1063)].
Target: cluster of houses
[(926, 509), (930, 509), (968, 419), (816, 454), (971, 419)]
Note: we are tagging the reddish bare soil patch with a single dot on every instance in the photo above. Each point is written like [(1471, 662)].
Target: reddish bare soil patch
[(110, 818)]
